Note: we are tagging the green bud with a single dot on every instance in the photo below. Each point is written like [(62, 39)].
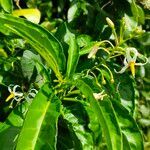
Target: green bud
[(110, 23)]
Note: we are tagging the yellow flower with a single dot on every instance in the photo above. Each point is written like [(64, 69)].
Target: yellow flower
[(14, 95), (130, 60)]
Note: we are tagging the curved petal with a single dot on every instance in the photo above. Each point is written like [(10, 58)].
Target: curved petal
[(141, 64), (129, 51), (15, 87), (19, 94), (122, 70), (10, 88), (125, 61)]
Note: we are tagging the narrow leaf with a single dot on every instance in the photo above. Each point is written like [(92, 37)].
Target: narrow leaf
[(40, 125), (104, 113), (40, 39), (73, 53), (128, 127)]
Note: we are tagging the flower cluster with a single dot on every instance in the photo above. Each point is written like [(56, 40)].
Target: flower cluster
[(16, 95)]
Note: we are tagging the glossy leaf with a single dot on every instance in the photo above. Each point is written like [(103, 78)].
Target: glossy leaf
[(141, 17), (72, 12), (28, 62), (32, 15), (73, 53), (87, 49), (128, 127), (10, 129), (7, 5), (104, 112), (126, 145), (77, 123), (40, 126), (71, 48), (3, 53), (43, 42), (94, 127), (83, 40), (126, 91)]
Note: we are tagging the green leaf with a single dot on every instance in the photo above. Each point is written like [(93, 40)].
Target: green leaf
[(126, 91), (7, 5), (40, 39), (87, 49), (94, 126), (104, 112), (40, 126), (28, 62), (10, 129), (73, 53), (137, 12), (83, 40), (130, 25), (73, 12), (128, 127), (141, 15), (64, 139), (3, 53), (69, 42), (76, 124), (126, 145)]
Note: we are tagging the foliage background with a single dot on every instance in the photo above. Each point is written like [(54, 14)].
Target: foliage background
[(87, 20)]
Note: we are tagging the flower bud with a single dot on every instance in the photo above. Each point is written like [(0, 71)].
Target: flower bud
[(110, 23)]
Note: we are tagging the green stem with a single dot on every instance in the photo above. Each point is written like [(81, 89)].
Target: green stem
[(73, 92), (116, 38), (70, 99)]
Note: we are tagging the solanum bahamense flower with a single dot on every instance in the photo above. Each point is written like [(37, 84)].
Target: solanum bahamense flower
[(130, 60), (14, 94)]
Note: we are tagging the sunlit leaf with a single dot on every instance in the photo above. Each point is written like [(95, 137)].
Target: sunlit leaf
[(32, 15), (73, 53), (43, 42), (77, 123), (40, 122), (128, 127), (104, 112)]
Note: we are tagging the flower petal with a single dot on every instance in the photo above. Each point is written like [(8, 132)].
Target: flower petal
[(15, 87), (141, 64), (125, 61), (19, 94), (10, 87), (129, 51), (122, 70)]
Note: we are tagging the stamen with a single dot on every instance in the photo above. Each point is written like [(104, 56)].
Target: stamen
[(12, 95), (132, 67)]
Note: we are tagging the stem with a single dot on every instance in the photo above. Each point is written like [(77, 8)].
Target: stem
[(70, 99), (115, 35), (73, 92)]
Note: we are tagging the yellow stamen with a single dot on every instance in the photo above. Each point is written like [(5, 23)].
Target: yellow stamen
[(132, 67), (12, 95)]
